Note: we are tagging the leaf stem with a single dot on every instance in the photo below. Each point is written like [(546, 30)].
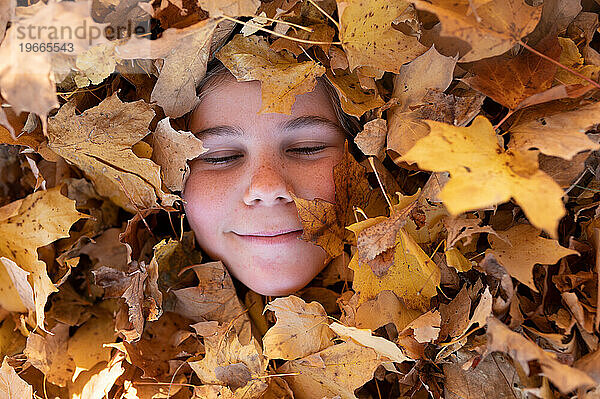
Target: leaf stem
[(294, 39), (380, 184), (510, 112), (326, 14), (544, 56), (311, 30)]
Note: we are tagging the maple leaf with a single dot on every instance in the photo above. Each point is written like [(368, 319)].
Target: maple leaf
[(522, 350), (11, 385), (368, 37), (354, 99), (328, 373), (555, 132), (37, 220), (493, 29), (229, 362), (412, 275), (322, 221), (282, 77), (171, 150), (519, 248), (99, 142), (484, 174), (301, 329)]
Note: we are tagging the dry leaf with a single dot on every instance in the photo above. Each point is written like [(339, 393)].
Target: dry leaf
[(493, 29), (365, 338), (520, 248), (484, 174), (371, 140), (11, 385), (49, 216), (354, 99), (282, 78), (301, 329), (233, 8), (99, 142), (368, 38)]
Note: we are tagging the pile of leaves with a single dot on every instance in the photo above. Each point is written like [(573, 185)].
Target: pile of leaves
[(464, 239)]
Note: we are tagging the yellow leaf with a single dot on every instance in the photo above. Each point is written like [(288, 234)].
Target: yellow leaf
[(354, 99), (413, 276), (43, 217), (571, 57), (366, 338), (301, 329), (335, 371), (11, 385), (368, 38), (456, 259), (99, 142), (493, 29), (484, 174), (282, 77), (519, 248)]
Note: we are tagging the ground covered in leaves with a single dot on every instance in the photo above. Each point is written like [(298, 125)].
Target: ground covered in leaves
[(464, 240)]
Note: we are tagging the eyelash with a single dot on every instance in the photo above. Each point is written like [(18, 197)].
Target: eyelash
[(300, 150)]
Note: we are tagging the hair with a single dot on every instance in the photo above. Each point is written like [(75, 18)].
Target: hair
[(216, 73)]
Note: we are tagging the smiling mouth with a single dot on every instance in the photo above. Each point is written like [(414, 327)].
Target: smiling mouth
[(272, 237)]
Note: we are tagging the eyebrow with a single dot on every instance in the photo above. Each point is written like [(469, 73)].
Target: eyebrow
[(306, 121)]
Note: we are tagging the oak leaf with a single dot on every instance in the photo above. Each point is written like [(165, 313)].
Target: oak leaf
[(301, 329), (282, 77), (519, 248), (100, 141), (37, 220), (484, 174), (368, 37), (493, 29)]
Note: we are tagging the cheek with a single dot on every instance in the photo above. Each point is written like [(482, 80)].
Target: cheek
[(316, 180), (206, 202)]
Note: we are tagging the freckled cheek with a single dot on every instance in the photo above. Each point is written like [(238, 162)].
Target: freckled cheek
[(316, 181)]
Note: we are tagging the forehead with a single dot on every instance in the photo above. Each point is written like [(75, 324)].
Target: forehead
[(225, 101)]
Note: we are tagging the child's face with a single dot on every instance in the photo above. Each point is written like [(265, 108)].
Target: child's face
[(238, 192)]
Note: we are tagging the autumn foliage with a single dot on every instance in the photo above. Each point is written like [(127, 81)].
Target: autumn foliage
[(464, 241)]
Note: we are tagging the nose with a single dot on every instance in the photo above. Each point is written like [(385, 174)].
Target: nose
[(268, 184)]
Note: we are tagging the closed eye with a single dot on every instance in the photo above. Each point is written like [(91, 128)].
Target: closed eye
[(308, 150)]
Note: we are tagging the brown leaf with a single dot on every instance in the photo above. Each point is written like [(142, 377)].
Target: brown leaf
[(493, 29), (565, 378), (11, 385), (99, 142), (354, 99), (301, 329), (233, 8), (171, 150), (371, 140), (49, 355), (519, 248), (510, 80), (183, 68)]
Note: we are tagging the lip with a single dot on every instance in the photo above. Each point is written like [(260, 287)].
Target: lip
[(272, 237)]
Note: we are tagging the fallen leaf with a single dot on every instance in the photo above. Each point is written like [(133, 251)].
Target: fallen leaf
[(17, 292), (368, 38), (301, 329), (282, 77), (484, 174), (171, 150), (385, 308), (49, 215), (183, 68), (371, 140), (556, 133), (520, 248), (353, 98), (426, 328), (99, 142), (98, 383), (11, 385), (510, 80), (365, 338), (571, 58), (565, 378), (49, 355), (232, 8), (328, 373), (493, 29)]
